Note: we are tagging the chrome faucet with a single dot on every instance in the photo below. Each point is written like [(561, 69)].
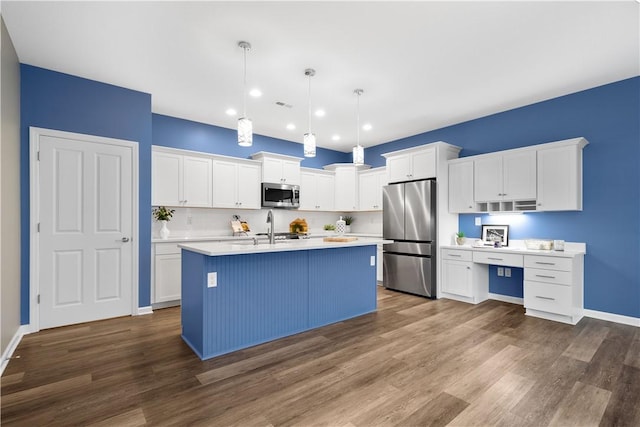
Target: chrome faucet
[(272, 228)]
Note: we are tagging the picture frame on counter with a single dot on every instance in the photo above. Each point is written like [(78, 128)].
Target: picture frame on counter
[(495, 233)]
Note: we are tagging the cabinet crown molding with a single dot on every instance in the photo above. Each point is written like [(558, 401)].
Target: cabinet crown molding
[(581, 142), (334, 166), (441, 144), (262, 154)]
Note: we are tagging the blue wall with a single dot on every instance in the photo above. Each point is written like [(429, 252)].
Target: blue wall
[(609, 118), (59, 101), (185, 134)]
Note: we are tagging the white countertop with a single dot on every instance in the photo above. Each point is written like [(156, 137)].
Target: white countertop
[(571, 250), (223, 238), (247, 247)]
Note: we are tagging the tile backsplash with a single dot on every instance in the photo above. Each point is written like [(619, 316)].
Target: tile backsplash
[(192, 222)]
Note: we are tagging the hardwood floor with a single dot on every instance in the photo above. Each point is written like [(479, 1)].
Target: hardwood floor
[(415, 362)]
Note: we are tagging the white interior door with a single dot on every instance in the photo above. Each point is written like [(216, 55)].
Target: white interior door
[(86, 217)]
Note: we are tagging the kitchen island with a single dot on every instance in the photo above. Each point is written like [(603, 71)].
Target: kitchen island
[(237, 294)]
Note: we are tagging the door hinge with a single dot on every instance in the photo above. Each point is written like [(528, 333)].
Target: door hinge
[(38, 298), (38, 227), (38, 156)]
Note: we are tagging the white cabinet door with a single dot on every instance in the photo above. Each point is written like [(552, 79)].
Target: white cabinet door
[(456, 278), (166, 179), (399, 168), (370, 190), (519, 175), (461, 187), (248, 186), (197, 182), (291, 172), (167, 275), (308, 191), (560, 179), (423, 164), (345, 189), (224, 184), (325, 192), (272, 170), (487, 176)]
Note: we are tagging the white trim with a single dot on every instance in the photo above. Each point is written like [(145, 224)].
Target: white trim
[(506, 298), (140, 311), (34, 213), (610, 317), (166, 304), (13, 344)]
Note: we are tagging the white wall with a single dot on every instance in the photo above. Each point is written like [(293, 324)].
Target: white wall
[(9, 191), (216, 222)]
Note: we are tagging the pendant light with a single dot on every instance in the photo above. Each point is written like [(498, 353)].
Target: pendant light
[(309, 138), (245, 127), (358, 150)]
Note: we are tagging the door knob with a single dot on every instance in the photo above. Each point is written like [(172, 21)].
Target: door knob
[(125, 239)]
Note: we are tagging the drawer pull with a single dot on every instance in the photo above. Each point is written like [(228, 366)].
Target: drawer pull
[(495, 259), (545, 263), (454, 255), (545, 277), (547, 298)]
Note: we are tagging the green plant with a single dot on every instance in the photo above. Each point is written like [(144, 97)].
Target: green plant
[(460, 234), (161, 213), (329, 227), (348, 219)]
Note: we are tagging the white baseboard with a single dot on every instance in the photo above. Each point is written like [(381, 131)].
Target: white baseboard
[(617, 318), (143, 310), (165, 304), (13, 344), (506, 298)]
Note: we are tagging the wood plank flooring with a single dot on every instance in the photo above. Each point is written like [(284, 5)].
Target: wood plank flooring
[(415, 362)]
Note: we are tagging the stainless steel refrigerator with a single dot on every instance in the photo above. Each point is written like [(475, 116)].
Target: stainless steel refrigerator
[(409, 219)]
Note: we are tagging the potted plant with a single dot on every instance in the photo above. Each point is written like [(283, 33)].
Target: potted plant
[(162, 214), (329, 227), (347, 222), (460, 238)]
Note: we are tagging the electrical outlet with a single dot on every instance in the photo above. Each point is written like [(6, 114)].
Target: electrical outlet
[(373, 260), (507, 272), (500, 271), (478, 220), (212, 279)]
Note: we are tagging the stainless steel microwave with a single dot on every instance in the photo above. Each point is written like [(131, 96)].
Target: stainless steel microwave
[(285, 196)]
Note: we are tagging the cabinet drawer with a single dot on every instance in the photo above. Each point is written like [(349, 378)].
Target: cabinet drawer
[(547, 297), (167, 248), (456, 255), (548, 262), (510, 260), (548, 276)]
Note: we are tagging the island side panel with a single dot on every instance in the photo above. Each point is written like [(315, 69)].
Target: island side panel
[(258, 298), (342, 284), (193, 278)]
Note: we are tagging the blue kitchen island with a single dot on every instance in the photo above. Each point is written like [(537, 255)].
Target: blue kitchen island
[(237, 295)]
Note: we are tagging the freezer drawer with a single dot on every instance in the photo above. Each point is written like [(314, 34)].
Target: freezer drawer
[(413, 274)]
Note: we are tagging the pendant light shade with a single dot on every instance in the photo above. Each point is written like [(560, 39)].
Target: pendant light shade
[(358, 150), (245, 127), (309, 138)]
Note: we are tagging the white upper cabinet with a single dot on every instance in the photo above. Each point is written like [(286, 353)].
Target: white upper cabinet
[(461, 186), (505, 177), (236, 184), (411, 164), (560, 177), (316, 190), (180, 180), (370, 189), (346, 185), (278, 168)]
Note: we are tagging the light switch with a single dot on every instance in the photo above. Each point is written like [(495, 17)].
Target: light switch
[(507, 272), (500, 271), (478, 220), (373, 260), (212, 279)]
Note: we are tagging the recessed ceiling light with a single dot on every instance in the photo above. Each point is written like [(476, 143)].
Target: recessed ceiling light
[(335, 138), (320, 113), (291, 126), (367, 126), (231, 112), (256, 93)]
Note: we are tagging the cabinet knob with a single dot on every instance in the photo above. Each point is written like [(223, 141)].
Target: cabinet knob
[(470, 207), (539, 204), (468, 268)]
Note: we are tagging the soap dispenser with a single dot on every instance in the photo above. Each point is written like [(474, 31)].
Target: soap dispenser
[(341, 226)]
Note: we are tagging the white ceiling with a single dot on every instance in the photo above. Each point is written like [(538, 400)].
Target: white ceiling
[(422, 65)]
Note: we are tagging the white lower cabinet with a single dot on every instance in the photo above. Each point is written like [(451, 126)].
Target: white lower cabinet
[(553, 288), (167, 265), (462, 279)]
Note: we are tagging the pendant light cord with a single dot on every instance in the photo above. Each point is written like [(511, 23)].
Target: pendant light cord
[(244, 84), (309, 122), (358, 119)]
